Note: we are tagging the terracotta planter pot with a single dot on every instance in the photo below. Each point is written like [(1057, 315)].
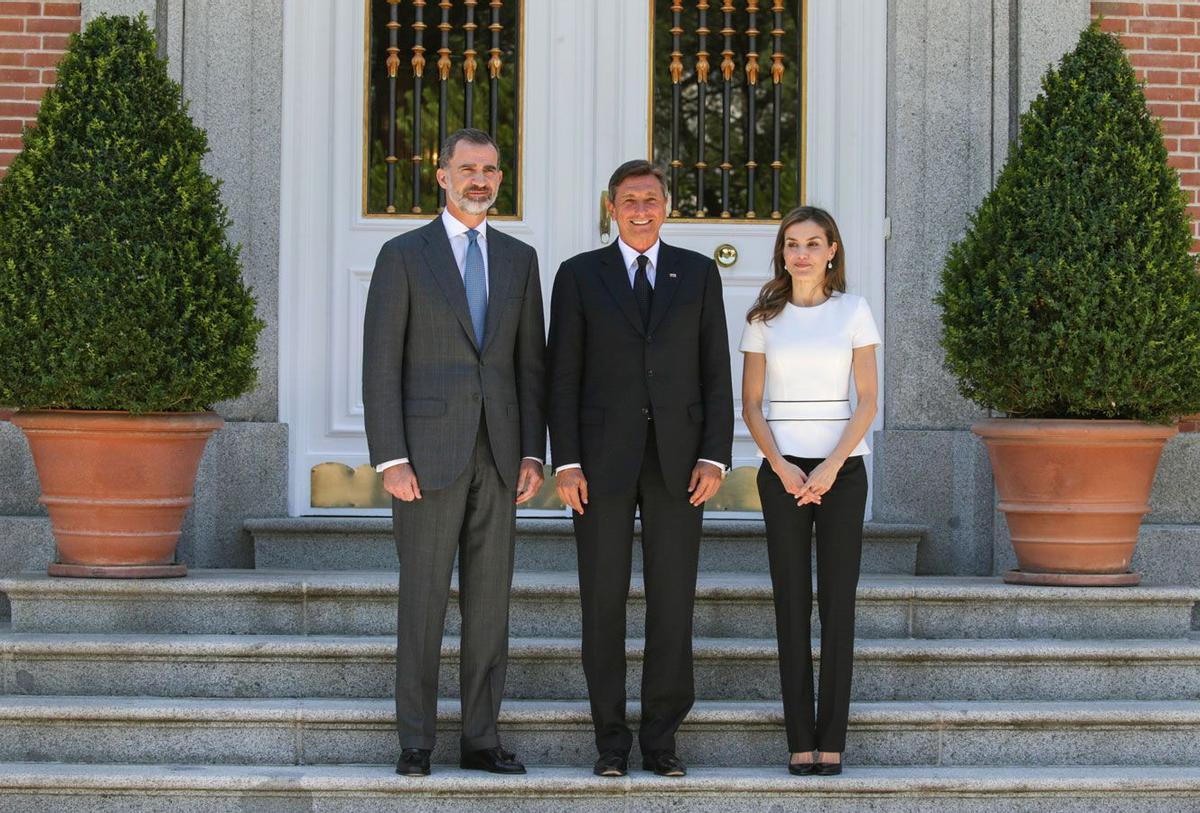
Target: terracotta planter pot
[(116, 486), (1074, 494), (6, 413)]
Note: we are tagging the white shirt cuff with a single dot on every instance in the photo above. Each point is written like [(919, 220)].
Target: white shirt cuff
[(568, 466), (537, 460)]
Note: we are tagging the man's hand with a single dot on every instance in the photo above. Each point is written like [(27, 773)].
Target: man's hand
[(529, 481), (706, 479), (572, 488), (401, 482)]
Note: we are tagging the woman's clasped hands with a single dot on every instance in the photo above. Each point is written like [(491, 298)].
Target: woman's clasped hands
[(807, 488)]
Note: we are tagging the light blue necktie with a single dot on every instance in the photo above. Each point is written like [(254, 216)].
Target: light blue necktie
[(476, 285)]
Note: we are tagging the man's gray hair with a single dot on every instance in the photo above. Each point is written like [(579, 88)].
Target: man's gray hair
[(469, 135)]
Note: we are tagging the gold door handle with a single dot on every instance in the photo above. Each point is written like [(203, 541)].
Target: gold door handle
[(605, 220), (725, 255)]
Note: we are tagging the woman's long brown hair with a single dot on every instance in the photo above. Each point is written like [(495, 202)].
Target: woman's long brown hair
[(776, 293)]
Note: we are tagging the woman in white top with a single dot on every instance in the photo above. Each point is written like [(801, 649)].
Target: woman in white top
[(804, 338)]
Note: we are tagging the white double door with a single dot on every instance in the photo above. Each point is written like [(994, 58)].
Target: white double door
[(585, 81)]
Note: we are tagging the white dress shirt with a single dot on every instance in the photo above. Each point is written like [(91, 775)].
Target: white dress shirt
[(629, 256), (456, 233)]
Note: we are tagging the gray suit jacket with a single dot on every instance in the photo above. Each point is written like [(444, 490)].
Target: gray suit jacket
[(425, 377)]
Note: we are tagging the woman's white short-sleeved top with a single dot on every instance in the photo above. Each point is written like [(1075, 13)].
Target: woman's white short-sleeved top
[(809, 358)]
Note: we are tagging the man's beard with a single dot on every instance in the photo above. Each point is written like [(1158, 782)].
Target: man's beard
[(470, 206)]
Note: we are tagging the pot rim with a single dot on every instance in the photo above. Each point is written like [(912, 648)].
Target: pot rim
[(115, 420), (1082, 429)]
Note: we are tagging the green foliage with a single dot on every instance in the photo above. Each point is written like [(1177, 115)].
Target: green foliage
[(1073, 294), (118, 287)]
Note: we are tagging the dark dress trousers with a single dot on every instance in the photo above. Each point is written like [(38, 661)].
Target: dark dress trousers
[(636, 405), (839, 531), (464, 412)]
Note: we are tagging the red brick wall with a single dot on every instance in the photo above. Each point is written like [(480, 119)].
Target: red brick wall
[(33, 36), (1163, 42)]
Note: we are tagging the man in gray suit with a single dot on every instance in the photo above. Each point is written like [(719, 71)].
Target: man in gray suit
[(453, 390)]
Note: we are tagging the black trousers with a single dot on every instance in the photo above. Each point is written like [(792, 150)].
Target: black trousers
[(474, 519), (839, 524), (670, 555)]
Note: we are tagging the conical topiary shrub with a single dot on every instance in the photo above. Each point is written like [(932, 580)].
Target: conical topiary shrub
[(1073, 298), (123, 315), (1072, 294), (118, 287)]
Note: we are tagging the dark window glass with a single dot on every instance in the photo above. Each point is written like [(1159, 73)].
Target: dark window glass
[(495, 105), (700, 127)]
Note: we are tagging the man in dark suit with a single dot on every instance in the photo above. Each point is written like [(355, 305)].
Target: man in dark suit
[(641, 417), (453, 391)]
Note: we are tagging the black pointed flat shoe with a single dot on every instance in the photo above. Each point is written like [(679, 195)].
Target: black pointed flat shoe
[(828, 768)]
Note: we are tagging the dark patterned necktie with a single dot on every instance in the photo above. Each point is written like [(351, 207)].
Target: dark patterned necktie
[(642, 291)]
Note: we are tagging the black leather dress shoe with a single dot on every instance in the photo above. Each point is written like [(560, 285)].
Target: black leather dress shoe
[(611, 763), (413, 762), (492, 760), (663, 763)]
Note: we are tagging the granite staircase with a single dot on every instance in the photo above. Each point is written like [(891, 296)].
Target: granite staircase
[(269, 689)]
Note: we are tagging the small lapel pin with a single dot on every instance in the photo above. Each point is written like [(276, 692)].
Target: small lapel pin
[(671, 275)]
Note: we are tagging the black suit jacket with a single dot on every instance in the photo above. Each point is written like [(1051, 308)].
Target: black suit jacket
[(606, 370), (425, 377)]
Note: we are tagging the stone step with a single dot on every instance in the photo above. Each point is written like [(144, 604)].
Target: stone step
[(317, 731), (71, 788), (26, 543), (549, 668), (366, 543), (291, 602)]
